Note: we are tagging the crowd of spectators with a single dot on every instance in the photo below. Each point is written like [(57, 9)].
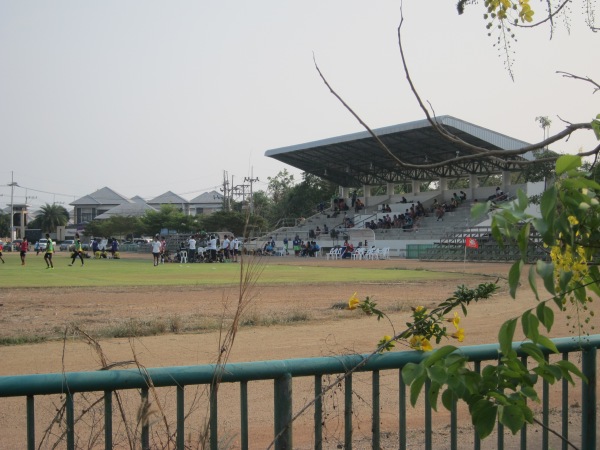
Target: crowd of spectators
[(407, 221)]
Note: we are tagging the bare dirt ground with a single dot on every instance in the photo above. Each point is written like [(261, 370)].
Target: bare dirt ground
[(323, 330)]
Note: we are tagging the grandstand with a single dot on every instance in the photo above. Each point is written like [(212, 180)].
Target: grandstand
[(416, 153)]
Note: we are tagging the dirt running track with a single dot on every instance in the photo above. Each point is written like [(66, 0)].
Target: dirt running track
[(327, 331)]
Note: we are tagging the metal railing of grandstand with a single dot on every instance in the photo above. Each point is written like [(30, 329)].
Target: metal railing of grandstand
[(452, 247)]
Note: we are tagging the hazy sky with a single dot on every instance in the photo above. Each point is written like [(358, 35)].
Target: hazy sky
[(150, 96)]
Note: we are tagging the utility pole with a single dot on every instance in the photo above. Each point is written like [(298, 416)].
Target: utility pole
[(32, 197), (251, 181), (226, 190)]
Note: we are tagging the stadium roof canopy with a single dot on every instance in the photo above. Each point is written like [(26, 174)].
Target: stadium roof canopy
[(357, 159)]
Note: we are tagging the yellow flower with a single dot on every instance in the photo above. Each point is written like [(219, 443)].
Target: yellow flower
[(460, 334), (386, 343), (455, 320), (418, 309), (353, 302), (573, 220), (419, 342)]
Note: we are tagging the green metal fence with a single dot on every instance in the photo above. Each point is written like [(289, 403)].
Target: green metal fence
[(283, 373), (417, 251)]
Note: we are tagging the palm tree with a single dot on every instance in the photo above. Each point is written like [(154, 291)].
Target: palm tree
[(52, 216)]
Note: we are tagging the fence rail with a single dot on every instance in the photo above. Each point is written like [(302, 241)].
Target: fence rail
[(282, 374)]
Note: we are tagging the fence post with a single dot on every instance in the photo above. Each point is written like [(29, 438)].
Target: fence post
[(108, 419), (70, 421), (31, 422), (376, 405), (180, 418), (214, 416), (588, 400), (145, 425), (283, 412), (318, 413), (348, 412), (244, 415)]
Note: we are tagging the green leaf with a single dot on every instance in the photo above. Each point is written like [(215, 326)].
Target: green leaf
[(546, 271), (548, 204), (434, 392), (545, 374), (437, 373), (528, 413), (533, 281), (566, 163), (545, 315), (523, 240), (438, 354), (505, 335), (411, 372), (545, 342), (555, 371), (533, 324), (594, 274), (512, 416), (499, 397), (570, 367), (580, 294), (480, 209), (483, 415), (415, 389), (544, 228), (513, 277), (530, 393), (533, 351), (522, 200), (596, 126), (454, 362), (525, 321), (448, 399)]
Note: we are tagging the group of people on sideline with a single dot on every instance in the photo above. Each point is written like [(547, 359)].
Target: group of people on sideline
[(206, 248)]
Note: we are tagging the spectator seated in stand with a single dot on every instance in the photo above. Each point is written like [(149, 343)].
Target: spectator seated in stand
[(439, 213), (359, 205)]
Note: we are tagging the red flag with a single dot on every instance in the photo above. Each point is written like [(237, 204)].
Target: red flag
[(471, 242)]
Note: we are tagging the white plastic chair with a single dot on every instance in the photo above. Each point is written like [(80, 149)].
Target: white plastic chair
[(359, 253), (334, 253), (372, 253), (183, 257), (385, 253)]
